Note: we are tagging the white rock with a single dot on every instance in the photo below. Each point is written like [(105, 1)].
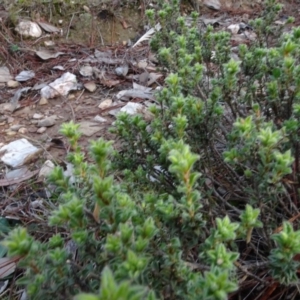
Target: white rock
[(99, 119), (16, 127), (122, 70), (213, 4), (234, 28), (142, 64), (6, 107), (105, 104), (43, 101), (89, 128), (4, 74), (11, 133), (47, 122), (90, 86), (37, 116), (12, 84), (25, 75), (29, 29), (46, 169), (16, 173), (49, 43), (86, 71), (59, 67), (41, 130), (69, 172), (16, 152), (61, 86), (132, 108), (36, 204), (9, 120), (23, 130)]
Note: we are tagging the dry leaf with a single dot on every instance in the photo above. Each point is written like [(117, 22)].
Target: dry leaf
[(48, 27), (5, 74), (147, 36), (291, 220), (124, 24), (109, 83), (7, 266), (3, 285), (47, 54)]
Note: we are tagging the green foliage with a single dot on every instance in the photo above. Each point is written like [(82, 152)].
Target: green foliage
[(283, 266), (111, 290), (200, 189)]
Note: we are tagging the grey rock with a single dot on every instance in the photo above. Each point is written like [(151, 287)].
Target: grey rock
[(16, 127), (99, 119), (213, 4), (13, 84), (47, 122), (89, 128), (90, 86), (41, 130)]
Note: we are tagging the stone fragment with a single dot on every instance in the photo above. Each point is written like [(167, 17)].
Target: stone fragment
[(16, 152), (142, 64), (29, 29), (23, 130), (89, 128), (37, 116), (132, 108), (234, 28), (6, 107), (212, 4), (47, 122), (10, 119), (46, 169), (99, 119), (12, 84), (15, 127), (11, 133), (86, 71), (105, 104), (43, 101), (41, 130), (90, 86), (5, 74), (60, 87)]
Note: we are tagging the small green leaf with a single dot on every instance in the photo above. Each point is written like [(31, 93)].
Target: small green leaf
[(276, 73), (4, 225), (86, 297)]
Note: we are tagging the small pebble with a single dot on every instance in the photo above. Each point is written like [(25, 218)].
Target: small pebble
[(105, 104), (15, 127), (99, 119), (37, 116), (90, 86), (43, 101), (12, 84), (41, 130), (47, 122), (23, 130), (10, 120), (11, 133)]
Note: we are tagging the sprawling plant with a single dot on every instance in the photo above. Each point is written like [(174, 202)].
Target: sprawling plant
[(204, 191)]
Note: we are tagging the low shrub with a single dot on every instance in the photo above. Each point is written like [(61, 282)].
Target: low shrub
[(200, 205)]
